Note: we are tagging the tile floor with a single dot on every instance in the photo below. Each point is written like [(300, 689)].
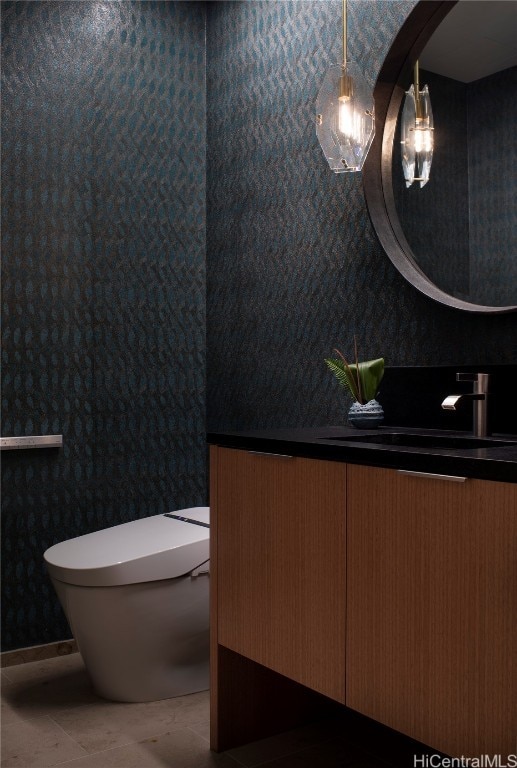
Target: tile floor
[(52, 717)]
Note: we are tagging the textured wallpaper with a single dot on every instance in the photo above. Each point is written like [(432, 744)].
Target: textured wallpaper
[(103, 171), (104, 147), (293, 264), (493, 167)]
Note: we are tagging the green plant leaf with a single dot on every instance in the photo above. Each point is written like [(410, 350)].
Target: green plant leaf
[(371, 373), (339, 370)]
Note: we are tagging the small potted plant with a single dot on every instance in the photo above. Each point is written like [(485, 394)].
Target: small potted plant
[(362, 382)]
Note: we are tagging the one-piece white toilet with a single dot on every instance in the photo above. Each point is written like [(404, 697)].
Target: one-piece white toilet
[(136, 598)]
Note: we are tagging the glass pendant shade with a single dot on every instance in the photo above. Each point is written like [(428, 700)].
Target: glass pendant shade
[(345, 123), (416, 137)]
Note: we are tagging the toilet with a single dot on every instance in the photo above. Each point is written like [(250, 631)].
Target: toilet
[(136, 598)]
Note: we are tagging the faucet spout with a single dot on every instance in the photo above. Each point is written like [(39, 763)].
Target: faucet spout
[(450, 402)]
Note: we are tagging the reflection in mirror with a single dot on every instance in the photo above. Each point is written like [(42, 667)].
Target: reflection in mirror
[(461, 226)]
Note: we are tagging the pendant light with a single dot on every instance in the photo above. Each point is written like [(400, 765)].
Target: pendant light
[(416, 133), (345, 123)]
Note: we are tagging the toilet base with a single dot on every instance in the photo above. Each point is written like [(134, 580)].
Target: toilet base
[(142, 642)]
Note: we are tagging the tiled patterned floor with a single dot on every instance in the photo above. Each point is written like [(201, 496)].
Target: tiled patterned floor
[(51, 717)]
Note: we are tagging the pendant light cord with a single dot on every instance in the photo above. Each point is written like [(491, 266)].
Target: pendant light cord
[(344, 34), (416, 85)]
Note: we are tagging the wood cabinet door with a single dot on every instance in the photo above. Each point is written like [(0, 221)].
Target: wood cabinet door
[(432, 608), (278, 529)]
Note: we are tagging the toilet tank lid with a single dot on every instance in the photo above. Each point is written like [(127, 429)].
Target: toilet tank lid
[(149, 549)]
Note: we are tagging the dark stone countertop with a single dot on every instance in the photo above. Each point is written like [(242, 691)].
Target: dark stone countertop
[(493, 463)]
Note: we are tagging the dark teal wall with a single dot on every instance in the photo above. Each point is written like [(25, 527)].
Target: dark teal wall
[(294, 267), (103, 175), (493, 167), (104, 257)]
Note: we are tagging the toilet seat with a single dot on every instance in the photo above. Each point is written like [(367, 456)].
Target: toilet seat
[(150, 549)]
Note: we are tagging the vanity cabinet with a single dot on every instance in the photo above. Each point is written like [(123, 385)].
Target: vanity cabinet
[(432, 608), (281, 564), (393, 594)]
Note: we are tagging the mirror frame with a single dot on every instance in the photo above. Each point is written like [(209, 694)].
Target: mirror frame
[(377, 171)]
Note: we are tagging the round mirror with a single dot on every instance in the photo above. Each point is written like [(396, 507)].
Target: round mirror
[(450, 224)]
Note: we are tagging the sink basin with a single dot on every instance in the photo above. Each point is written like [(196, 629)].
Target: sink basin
[(408, 440)]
